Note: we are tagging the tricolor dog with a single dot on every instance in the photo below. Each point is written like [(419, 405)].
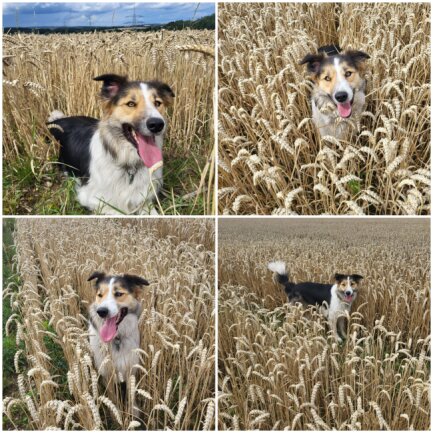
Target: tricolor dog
[(335, 300), (117, 160), (113, 323), (339, 88)]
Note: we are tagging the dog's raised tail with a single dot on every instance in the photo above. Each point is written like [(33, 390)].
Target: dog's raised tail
[(55, 115), (280, 272)]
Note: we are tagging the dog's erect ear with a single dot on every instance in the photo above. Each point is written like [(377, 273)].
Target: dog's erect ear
[(98, 275), (339, 277), (134, 280), (357, 57), (313, 62), (111, 84), (164, 91), (357, 278)]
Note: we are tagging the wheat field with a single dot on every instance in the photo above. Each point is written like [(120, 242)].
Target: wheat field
[(271, 158), (47, 72), (280, 369), (57, 384)]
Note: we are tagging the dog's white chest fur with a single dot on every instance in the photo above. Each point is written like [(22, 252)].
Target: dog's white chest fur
[(337, 307), (335, 310), (121, 349), (111, 189), (329, 123)]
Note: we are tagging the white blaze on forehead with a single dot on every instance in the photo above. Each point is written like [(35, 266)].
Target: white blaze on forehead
[(150, 108), (110, 301), (337, 68), (110, 288), (341, 84)]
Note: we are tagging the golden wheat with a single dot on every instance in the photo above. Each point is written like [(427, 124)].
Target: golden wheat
[(279, 366), (175, 386), (48, 72), (271, 159)]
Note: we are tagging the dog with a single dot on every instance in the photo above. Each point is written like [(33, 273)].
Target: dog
[(117, 160), (339, 88), (113, 323), (334, 300)]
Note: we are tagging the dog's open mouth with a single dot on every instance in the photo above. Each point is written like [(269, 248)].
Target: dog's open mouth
[(345, 108), (348, 298), (146, 147), (109, 329)]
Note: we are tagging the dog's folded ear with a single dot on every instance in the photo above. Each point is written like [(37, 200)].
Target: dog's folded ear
[(357, 278), (111, 85), (313, 62), (164, 91), (357, 57), (339, 277), (98, 275), (134, 280)]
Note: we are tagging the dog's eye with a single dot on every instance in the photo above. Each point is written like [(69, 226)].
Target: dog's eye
[(348, 74), (327, 78), (131, 104), (118, 294), (158, 103), (99, 295)]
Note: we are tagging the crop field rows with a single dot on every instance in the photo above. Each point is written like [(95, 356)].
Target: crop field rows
[(279, 367), (43, 73), (58, 386), (272, 159)]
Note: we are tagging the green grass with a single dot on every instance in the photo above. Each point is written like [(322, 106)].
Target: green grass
[(10, 347), (58, 364), (40, 189)]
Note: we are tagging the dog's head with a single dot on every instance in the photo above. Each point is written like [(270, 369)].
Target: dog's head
[(337, 73), (348, 286), (137, 108), (116, 296)]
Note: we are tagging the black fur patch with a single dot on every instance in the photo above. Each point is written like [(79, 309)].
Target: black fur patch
[(308, 293), (164, 90), (112, 84), (99, 276), (74, 139), (314, 63), (131, 281)]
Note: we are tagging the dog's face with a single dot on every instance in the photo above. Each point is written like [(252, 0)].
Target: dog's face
[(338, 75), (137, 109), (116, 296), (348, 286)]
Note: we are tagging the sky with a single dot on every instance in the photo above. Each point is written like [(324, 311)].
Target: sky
[(100, 14)]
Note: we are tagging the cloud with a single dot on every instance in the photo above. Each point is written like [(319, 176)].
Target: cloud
[(77, 14)]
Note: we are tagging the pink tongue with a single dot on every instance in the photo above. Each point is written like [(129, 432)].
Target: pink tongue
[(349, 298), (149, 152), (345, 110), (109, 329)]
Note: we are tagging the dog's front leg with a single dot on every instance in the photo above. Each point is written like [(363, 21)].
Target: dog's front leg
[(341, 327), (333, 322)]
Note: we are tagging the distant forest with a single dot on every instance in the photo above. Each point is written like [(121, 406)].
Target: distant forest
[(204, 23)]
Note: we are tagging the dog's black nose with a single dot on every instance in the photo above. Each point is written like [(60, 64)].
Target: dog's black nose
[(347, 293), (102, 312), (155, 124), (341, 96)]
